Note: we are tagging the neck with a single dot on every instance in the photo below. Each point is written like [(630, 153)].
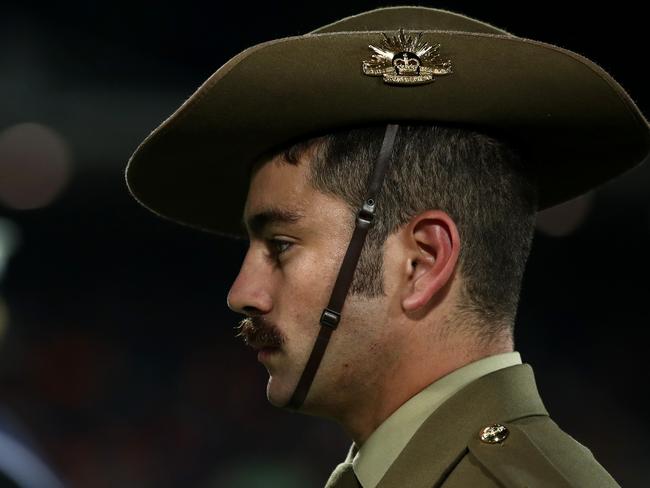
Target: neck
[(418, 369)]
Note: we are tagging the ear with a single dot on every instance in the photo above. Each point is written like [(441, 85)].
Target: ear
[(433, 245)]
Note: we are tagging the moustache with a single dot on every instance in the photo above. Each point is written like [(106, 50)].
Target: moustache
[(259, 333)]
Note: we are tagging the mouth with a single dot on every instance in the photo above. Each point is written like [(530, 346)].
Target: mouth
[(263, 345), (262, 336), (266, 352)]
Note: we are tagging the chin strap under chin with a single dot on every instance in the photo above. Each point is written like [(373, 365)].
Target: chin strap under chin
[(331, 315)]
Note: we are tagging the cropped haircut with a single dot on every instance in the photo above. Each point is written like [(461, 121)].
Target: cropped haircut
[(478, 180)]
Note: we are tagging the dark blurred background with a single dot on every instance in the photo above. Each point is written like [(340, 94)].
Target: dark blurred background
[(118, 362)]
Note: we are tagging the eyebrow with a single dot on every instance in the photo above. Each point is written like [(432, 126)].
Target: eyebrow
[(257, 223)]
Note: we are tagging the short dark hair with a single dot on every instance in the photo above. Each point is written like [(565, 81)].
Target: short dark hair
[(479, 180)]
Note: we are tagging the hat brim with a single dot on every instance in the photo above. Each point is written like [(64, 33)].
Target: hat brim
[(575, 125)]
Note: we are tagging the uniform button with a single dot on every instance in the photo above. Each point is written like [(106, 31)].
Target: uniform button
[(494, 434)]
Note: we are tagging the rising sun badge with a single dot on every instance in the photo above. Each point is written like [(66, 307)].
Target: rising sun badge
[(405, 59)]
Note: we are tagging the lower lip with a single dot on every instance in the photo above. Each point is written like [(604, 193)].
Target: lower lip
[(267, 352)]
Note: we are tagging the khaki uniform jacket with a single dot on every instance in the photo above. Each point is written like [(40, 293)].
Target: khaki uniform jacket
[(447, 451)]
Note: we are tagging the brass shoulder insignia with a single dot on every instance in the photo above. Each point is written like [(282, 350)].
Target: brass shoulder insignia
[(494, 434), (406, 60)]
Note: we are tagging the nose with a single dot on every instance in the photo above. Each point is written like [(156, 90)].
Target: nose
[(250, 292)]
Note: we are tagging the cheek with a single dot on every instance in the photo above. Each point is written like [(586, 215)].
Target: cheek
[(304, 290), (310, 275), (366, 333)]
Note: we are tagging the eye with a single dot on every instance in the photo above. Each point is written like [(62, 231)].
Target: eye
[(278, 246)]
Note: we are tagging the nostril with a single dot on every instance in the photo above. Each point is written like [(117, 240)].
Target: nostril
[(249, 310)]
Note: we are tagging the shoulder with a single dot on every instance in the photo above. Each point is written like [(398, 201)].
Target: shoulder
[(532, 452)]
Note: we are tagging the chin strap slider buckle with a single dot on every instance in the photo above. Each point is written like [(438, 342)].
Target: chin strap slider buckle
[(330, 318)]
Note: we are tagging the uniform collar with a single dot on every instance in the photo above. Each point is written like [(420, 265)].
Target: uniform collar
[(384, 445), (502, 396)]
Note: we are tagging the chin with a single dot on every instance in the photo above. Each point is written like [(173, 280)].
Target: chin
[(277, 393)]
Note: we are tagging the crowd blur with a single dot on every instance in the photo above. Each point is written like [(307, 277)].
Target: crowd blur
[(118, 361)]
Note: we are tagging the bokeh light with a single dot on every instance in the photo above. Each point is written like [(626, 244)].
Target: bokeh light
[(35, 165)]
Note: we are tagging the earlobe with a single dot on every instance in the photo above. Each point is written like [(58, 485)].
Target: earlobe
[(433, 245)]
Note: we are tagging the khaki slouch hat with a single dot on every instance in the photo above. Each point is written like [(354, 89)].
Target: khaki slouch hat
[(574, 124)]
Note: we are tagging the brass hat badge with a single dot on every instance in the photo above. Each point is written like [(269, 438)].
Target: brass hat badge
[(406, 60)]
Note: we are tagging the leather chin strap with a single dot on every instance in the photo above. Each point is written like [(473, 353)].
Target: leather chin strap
[(331, 315)]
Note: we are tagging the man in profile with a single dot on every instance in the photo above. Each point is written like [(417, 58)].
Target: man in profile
[(388, 168)]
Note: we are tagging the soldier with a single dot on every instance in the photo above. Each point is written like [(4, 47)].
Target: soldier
[(388, 168)]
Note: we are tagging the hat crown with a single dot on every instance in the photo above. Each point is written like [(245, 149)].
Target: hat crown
[(409, 18)]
